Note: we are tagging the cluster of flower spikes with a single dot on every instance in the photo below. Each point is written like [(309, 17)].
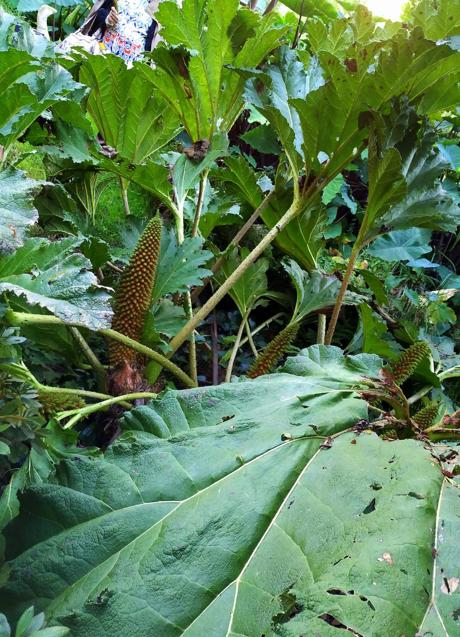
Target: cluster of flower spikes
[(273, 352), (426, 416), (53, 402), (406, 364), (134, 293)]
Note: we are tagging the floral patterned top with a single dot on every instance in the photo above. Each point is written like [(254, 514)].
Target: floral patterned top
[(127, 39)]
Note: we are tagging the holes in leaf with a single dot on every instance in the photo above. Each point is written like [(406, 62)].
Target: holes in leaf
[(291, 607), (363, 598), (450, 585), (370, 507), (333, 621)]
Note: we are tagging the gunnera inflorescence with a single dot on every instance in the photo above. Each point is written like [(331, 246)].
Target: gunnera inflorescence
[(273, 352)]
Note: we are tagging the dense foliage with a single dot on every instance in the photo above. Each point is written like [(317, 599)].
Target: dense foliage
[(261, 190)]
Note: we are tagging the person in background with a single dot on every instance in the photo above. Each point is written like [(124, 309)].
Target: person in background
[(126, 28)]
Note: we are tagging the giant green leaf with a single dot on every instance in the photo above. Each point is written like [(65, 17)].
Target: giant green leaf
[(252, 284), (439, 19), (315, 291), (240, 180), (180, 265), (228, 511), (288, 79), (55, 277), (128, 112), (402, 245), (17, 211), (325, 8), (25, 98), (194, 72), (364, 73), (427, 204)]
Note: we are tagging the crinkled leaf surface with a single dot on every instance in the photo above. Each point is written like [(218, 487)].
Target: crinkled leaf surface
[(128, 111), (314, 292), (55, 277), (402, 245), (219, 513), (17, 211), (251, 286), (287, 80), (427, 204), (194, 75), (240, 179), (180, 266), (439, 19), (26, 95)]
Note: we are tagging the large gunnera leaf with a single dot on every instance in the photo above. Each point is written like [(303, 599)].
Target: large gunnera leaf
[(244, 510), (129, 114), (55, 277)]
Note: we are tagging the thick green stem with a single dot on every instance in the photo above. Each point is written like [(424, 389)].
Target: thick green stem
[(192, 361), (236, 347), (452, 372), (203, 312), (84, 393), (321, 333), (74, 392), (22, 318), (188, 307), (124, 195), (78, 414), (341, 296), (422, 392)]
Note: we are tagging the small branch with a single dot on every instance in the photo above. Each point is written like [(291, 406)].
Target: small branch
[(200, 201), (74, 392), (250, 339), (95, 363), (22, 318), (236, 346), (443, 434), (79, 392), (262, 326), (114, 267), (321, 332), (341, 296)]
